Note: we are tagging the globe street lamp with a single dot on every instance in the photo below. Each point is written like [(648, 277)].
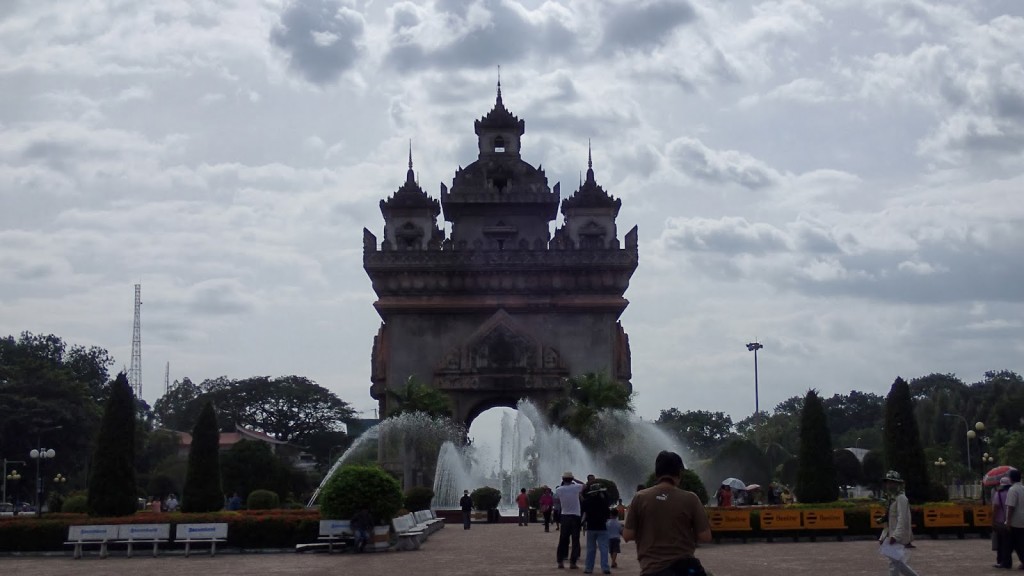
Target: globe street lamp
[(13, 475), (38, 454), (940, 464)]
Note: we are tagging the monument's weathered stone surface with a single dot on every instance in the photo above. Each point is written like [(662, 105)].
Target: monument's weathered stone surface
[(501, 309)]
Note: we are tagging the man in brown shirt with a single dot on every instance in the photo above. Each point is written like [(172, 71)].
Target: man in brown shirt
[(667, 522)]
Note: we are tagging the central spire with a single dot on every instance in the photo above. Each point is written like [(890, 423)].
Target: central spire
[(410, 176), (498, 101)]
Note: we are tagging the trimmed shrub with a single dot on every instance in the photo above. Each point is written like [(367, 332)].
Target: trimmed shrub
[(486, 498), (263, 500), (112, 481), (76, 503), (816, 478), (903, 449), (937, 492), (418, 498), (611, 489), (691, 481), (202, 492), (355, 487)]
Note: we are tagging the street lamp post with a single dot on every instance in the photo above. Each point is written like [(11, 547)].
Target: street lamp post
[(38, 454), (13, 475), (754, 347), (970, 436)]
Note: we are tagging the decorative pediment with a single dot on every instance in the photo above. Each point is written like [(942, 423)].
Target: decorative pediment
[(501, 345)]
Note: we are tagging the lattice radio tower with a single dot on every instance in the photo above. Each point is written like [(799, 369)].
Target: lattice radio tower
[(135, 372)]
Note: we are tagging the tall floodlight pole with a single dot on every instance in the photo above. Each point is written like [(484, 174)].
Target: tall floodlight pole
[(754, 347), (135, 372)]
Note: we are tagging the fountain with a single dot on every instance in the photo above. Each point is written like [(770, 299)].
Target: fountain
[(532, 453), (406, 441)]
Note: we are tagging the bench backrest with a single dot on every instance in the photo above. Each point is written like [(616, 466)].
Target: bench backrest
[(403, 523), (421, 516), (201, 531), (91, 533), (143, 531), (335, 527)]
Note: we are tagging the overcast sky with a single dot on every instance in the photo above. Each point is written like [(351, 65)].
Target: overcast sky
[(838, 179)]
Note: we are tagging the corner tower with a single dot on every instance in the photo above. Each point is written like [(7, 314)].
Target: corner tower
[(500, 310)]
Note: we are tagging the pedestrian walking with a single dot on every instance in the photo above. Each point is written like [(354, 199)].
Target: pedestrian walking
[(896, 534), (568, 494), (1015, 516), (523, 502), (466, 503), (547, 501)]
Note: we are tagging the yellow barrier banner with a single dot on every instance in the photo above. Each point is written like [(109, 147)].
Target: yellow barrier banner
[(780, 520), (982, 516), (944, 517), (727, 519), (832, 519)]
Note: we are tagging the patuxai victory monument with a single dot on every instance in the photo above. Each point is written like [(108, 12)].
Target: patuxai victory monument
[(500, 310)]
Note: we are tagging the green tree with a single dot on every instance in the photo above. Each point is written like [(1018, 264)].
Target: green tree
[(702, 431), (179, 407), (739, 458), (588, 396), (44, 383), (202, 491), (289, 408), (848, 468), (112, 488), (816, 474), (903, 450), (249, 466)]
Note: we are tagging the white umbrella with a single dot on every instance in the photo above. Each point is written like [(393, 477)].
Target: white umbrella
[(735, 483)]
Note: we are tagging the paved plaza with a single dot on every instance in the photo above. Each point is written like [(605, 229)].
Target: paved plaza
[(508, 549)]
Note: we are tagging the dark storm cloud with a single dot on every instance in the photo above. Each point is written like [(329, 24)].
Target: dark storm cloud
[(644, 25), (507, 37), (320, 37)]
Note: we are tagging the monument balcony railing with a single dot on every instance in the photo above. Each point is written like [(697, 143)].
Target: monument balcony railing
[(455, 260)]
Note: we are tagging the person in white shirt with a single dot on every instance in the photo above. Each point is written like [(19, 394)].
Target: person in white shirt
[(897, 523), (1015, 515), (568, 496)]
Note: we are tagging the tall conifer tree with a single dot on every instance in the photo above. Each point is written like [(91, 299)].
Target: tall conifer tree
[(112, 489), (903, 451), (816, 479), (202, 492)]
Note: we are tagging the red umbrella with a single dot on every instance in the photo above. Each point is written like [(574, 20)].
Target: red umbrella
[(992, 476)]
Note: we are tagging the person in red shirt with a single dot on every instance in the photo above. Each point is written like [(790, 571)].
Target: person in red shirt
[(524, 507)]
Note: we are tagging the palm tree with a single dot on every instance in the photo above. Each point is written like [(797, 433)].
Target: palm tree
[(589, 395)]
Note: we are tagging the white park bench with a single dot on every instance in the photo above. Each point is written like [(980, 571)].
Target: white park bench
[(409, 535), (154, 534), (333, 531), (79, 536), (210, 533), (426, 522)]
